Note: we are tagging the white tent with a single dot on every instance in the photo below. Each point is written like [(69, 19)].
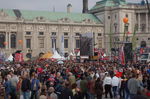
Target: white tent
[(57, 56), (10, 58), (72, 54)]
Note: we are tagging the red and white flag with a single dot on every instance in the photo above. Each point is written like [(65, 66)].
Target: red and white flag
[(122, 56)]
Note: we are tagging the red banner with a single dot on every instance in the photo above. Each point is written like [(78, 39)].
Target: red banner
[(18, 57), (122, 56)]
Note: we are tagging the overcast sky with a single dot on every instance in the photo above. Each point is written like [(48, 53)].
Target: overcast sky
[(59, 5)]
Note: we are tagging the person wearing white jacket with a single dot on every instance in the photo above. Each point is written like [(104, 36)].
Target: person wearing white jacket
[(107, 85), (115, 85)]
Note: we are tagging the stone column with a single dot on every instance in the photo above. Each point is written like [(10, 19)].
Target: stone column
[(139, 23), (146, 22)]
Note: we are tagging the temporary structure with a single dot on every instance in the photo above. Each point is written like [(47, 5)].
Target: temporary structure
[(10, 58), (47, 55), (57, 56)]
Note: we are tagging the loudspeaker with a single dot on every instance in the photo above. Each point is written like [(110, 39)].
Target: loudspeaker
[(128, 52)]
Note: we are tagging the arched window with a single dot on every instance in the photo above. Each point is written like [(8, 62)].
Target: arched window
[(13, 41), (2, 40)]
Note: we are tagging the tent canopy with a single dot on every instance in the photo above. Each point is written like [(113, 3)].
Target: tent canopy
[(10, 58), (47, 55), (57, 56)]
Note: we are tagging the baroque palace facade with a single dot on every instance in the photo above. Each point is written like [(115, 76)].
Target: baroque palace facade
[(40, 31), (112, 12), (35, 31)]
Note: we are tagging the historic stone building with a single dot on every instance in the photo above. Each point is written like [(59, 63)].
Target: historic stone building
[(112, 12), (40, 31)]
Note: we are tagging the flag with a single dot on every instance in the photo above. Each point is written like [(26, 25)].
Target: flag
[(62, 45), (122, 56), (54, 44), (141, 50)]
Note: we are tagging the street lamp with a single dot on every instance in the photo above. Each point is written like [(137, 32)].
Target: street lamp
[(126, 24)]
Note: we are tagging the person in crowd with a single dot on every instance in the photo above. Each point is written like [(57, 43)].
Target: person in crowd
[(72, 78), (83, 86), (122, 90), (43, 94), (98, 88), (67, 92), (133, 86), (91, 85), (19, 93), (26, 87), (13, 85), (115, 85), (35, 86), (108, 85), (52, 94), (7, 88)]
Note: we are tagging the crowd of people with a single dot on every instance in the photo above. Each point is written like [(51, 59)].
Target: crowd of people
[(44, 79)]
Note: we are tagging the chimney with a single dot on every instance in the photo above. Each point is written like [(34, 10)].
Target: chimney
[(69, 8), (85, 6)]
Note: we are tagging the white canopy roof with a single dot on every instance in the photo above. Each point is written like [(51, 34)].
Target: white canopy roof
[(10, 58), (57, 56)]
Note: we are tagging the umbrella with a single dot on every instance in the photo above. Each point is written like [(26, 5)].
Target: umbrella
[(60, 62)]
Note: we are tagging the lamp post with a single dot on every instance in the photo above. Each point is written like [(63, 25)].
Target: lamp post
[(126, 24)]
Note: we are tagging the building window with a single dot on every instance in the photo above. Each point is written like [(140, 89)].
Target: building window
[(41, 42), (2, 40), (99, 34), (54, 33), (115, 16), (148, 38), (13, 41), (77, 34), (108, 17), (99, 43), (41, 33), (28, 33), (28, 43), (65, 34), (53, 42), (77, 43), (127, 15), (65, 43)]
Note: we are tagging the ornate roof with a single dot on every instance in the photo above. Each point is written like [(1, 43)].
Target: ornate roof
[(51, 16), (108, 3)]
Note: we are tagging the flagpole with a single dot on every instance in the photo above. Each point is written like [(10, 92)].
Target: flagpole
[(62, 45)]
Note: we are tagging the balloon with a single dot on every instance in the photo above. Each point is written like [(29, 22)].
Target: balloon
[(125, 20), (20, 41), (5, 43)]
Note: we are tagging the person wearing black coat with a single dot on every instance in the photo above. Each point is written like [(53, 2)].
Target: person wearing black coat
[(26, 87), (67, 93), (99, 88)]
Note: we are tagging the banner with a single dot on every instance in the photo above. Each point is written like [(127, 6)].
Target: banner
[(62, 45), (122, 56), (18, 57)]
